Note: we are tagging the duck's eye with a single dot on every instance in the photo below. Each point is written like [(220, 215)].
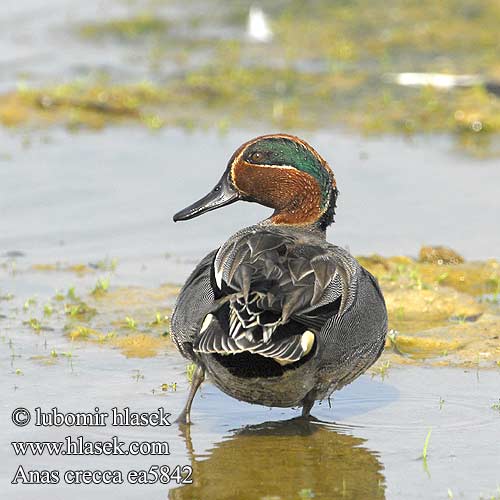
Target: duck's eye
[(256, 157)]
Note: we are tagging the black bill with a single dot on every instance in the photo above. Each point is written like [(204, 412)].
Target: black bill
[(221, 195)]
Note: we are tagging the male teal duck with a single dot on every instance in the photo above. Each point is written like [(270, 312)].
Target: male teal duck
[(277, 315)]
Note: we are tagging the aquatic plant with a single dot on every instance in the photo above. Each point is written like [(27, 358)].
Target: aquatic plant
[(101, 287), (71, 294), (381, 369), (29, 302), (80, 310), (130, 28), (130, 323), (34, 324), (424, 450), (137, 375)]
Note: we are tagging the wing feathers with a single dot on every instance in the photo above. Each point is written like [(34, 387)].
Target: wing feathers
[(286, 350), (272, 277)]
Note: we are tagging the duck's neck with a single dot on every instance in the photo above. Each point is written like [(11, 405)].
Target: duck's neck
[(302, 210), (296, 196), (305, 209), (298, 203)]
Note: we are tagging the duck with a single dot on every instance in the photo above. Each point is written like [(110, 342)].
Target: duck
[(277, 315)]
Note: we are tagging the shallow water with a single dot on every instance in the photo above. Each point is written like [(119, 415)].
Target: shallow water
[(368, 445), (83, 196), (80, 198)]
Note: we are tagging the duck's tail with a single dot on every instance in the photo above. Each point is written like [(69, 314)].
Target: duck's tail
[(287, 344)]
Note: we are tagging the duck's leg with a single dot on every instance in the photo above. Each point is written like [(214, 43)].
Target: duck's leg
[(307, 404), (198, 378)]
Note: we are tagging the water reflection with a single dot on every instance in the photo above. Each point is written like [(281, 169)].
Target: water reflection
[(285, 460)]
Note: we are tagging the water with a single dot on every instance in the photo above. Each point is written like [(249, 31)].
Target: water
[(368, 445), (79, 198)]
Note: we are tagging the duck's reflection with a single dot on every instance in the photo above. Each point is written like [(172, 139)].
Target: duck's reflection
[(292, 459)]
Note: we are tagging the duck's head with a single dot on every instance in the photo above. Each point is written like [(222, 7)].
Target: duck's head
[(278, 171)]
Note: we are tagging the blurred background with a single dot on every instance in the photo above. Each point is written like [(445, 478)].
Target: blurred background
[(404, 67), (115, 114)]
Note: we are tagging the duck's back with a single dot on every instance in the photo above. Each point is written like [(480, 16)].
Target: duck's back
[(276, 300)]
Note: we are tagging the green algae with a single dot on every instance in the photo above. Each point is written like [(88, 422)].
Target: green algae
[(439, 255), (431, 323), (136, 345), (129, 28), (140, 345), (101, 287), (360, 31), (80, 311), (137, 315), (468, 345), (78, 269), (474, 278), (440, 314), (86, 334), (436, 312), (91, 104), (285, 98), (34, 324)]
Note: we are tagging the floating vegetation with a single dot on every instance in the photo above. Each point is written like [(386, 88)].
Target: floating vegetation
[(85, 333), (80, 103), (101, 287), (248, 95), (381, 369), (306, 493), (169, 387), (106, 264), (74, 268), (139, 345), (335, 77), (424, 450), (436, 309), (71, 294), (439, 255), (473, 278), (34, 324), (45, 360), (80, 311), (128, 28), (159, 320), (29, 302), (130, 323)]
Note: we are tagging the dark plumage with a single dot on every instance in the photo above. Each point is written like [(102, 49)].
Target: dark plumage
[(277, 315)]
